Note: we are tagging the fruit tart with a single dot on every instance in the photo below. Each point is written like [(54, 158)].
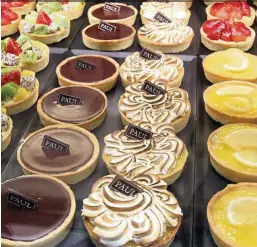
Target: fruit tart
[(24, 53), (219, 35), (20, 7), (6, 129), (237, 11), (71, 9), (19, 89), (45, 28)]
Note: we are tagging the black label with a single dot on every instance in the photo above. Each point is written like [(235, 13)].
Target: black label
[(104, 26), (65, 99), (111, 7), (150, 55), (85, 65), (138, 133), (151, 88), (161, 18), (20, 200), (54, 145), (124, 186)]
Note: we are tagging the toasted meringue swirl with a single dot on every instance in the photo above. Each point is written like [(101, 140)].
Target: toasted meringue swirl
[(118, 219)]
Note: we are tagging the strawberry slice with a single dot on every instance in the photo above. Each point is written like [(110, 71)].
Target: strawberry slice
[(5, 21), (245, 9), (215, 7), (16, 4), (213, 24), (244, 28), (214, 34), (5, 5), (226, 33), (63, 1), (222, 13), (12, 76), (9, 14), (43, 18), (237, 33), (13, 47)]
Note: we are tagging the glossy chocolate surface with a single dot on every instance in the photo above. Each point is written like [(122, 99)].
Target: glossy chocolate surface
[(53, 162), (27, 225), (92, 105)]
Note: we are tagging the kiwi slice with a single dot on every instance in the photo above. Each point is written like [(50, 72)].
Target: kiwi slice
[(8, 91)]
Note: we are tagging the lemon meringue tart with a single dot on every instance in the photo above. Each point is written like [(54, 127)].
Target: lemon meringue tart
[(233, 152), (131, 211), (232, 102), (232, 216), (231, 64)]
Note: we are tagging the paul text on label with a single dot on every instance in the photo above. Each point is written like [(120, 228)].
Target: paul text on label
[(85, 65), (161, 18), (151, 88), (54, 144), (138, 133), (150, 55), (111, 7), (65, 99), (107, 27)]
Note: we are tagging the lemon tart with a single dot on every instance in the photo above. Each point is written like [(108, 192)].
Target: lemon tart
[(231, 64), (6, 130), (233, 152), (232, 102), (232, 216)]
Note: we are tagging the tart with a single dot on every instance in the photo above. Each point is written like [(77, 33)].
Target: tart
[(170, 37), (103, 75), (78, 105), (150, 218), (64, 151), (232, 217), (19, 90), (232, 102), (45, 28), (231, 64), (72, 10), (51, 200), (97, 39), (255, 3), (6, 130), (172, 10), (125, 14), (20, 7), (164, 154), (137, 68), (24, 53), (171, 106), (237, 11), (219, 35)]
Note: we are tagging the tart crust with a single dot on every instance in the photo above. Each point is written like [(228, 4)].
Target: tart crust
[(25, 9), (103, 85), (6, 141), (68, 177), (89, 125), (55, 237), (10, 29)]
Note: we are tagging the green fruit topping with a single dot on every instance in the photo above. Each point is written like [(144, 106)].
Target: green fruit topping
[(41, 29), (51, 7), (9, 69), (3, 45), (31, 18), (8, 91), (22, 39), (61, 20), (27, 45), (28, 57)]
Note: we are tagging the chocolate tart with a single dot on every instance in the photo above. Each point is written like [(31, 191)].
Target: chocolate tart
[(88, 112), (53, 214), (12, 28), (6, 135), (127, 14), (97, 39), (104, 77), (72, 165)]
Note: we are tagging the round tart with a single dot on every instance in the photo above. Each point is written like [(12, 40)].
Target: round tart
[(231, 64), (43, 152), (232, 102), (219, 35), (79, 105), (136, 68), (150, 218), (233, 152), (6, 131), (171, 37), (120, 39), (164, 154), (20, 7), (103, 77), (171, 107), (54, 211), (232, 216), (126, 15)]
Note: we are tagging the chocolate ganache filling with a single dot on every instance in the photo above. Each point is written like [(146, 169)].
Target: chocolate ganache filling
[(38, 159), (92, 104), (28, 225)]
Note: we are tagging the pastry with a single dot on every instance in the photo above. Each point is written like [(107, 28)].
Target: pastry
[(219, 35), (139, 67), (79, 105), (155, 149), (231, 64), (108, 36), (64, 151), (232, 102), (6, 130), (172, 10), (170, 37), (232, 217), (24, 53), (71, 9), (233, 152), (155, 103), (20, 7), (237, 11), (112, 13), (45, 28), (96, 71), (19, 90), (30, 201), (255, 3), (146, 214)]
